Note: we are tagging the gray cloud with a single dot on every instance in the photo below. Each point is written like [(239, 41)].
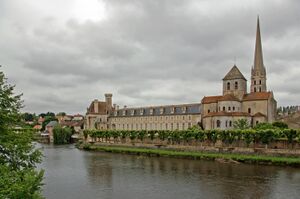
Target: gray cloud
[(144, 52)]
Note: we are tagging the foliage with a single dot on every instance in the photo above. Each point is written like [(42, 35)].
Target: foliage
[(264, 126), (18, 157), (47, 120), (249, 136), (61, 135), (280, 125), (241, 124)]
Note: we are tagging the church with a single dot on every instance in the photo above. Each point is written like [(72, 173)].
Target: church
[(220, 112), (214, 112)]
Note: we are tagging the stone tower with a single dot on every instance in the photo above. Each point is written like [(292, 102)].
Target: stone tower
[(234, 83), (258, 72)]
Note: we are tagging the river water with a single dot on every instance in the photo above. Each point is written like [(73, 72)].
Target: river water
[(72, 173)]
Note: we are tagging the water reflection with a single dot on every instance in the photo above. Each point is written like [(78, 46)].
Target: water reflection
[(106, 175)]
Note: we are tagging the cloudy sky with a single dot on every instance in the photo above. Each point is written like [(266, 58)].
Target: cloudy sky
[(63, 54)]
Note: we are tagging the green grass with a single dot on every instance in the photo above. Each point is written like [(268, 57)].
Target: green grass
[(243, 158)]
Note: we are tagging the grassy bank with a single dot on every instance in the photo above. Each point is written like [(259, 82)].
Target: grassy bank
[(224, 157)]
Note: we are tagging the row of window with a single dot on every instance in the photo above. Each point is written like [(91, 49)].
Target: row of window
[(255, 82), (151, 111), (236, 85), (227, 123), (152, 118), (153, 126), (255, 90)]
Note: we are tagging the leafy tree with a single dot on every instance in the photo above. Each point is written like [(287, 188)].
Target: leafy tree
[(47, 120), (61, 114), (18, 157), (241, 124), (61, 135)]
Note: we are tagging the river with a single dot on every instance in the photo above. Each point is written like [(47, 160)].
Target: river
[(71, 173)]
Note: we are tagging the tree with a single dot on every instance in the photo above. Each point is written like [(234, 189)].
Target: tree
[(18, 157), (62, 135), (241, 124)]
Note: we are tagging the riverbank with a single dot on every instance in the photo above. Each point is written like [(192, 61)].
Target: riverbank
[(214, 156)]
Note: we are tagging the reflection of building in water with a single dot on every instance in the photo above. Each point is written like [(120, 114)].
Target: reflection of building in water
[(214, 112)]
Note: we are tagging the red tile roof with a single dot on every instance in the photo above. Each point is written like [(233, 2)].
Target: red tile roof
[(257, 96), (259, 114), (228, 97), (211, 99)]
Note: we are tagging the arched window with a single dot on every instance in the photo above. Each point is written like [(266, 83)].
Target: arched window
[(249, 110), (229, 108), (223, 108), (254, 82), (218, 123), (208, 111), (259, 81), (254, 89), (228, 85), (230, 123), (259, 89), (236, 85), (256, 122), (226, 123), (233, 108)]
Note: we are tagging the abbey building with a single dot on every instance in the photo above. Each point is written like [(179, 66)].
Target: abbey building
[(214, 112)]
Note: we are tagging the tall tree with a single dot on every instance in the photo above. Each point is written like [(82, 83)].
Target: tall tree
[(18, 157)]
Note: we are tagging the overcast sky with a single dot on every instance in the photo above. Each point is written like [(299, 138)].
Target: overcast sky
[(63, 54)]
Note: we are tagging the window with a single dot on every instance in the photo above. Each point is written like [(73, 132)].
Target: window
[(233, 108), (189, 125), (254, 82), (249, 110), (256, 122), (228, 85), (226, 123), (259, 89), (259, 81), (182, 126), (208, 111), (218, 123), (230, 123), (223, 108), (254, 89), (229, 108), (171, 126), (236, 85), (219, 108)]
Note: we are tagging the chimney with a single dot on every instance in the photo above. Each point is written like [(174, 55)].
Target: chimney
[(108, 100)]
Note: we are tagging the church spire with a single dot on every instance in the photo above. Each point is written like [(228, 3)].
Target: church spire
[(258, 54), (258, 72)]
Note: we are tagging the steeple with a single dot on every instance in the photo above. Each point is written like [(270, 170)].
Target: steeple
[(258, 54), (258, 72)]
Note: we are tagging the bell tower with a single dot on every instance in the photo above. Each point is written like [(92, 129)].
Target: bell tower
[(258, 71)]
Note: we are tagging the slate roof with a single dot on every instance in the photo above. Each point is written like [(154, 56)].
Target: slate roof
[(52, 124), (234, 73), (159, 110)]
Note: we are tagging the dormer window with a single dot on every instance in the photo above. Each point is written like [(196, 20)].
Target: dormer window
[(151, 111), (142, 112), (184, 109), (161, 110), (172, 110)]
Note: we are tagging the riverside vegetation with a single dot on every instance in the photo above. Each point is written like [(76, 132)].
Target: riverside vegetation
[(262, 134)]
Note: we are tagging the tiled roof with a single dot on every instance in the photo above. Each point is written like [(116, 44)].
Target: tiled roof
[(257, 96), (259, 114), (223, 113), (228, 97), (234, 73), (211, 99), (159, 110)]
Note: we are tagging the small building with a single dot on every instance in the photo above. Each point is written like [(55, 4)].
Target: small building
[(49, 129)]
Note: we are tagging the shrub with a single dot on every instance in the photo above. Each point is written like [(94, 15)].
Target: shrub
[(62, 135)]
